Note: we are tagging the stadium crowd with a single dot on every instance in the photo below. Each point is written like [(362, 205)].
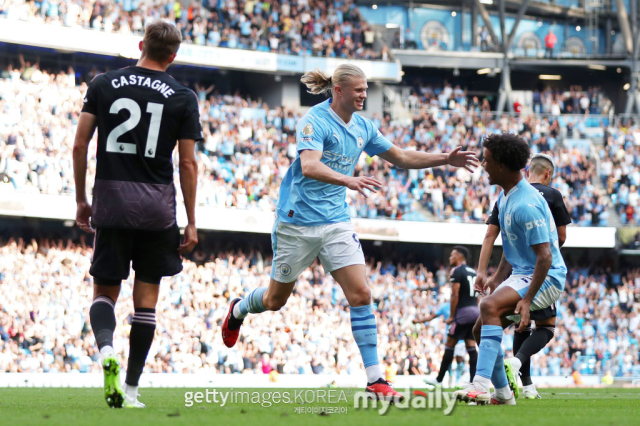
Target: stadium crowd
[(44, 321), (549, 101), (620, 169), (249, 146), (296, 27)]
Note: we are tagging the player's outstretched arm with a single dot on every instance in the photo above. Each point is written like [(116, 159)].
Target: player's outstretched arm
[(313, 168), (425, 319), (84, 133), (485, 254), (407, 159), (543, 263), (188, 180)]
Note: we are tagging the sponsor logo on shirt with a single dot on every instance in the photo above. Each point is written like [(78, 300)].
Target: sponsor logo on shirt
[(535, 224), (338, 162)]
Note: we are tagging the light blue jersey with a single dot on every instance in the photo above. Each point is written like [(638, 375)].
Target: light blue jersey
[(444, 310), (308, 202), (526, 220)]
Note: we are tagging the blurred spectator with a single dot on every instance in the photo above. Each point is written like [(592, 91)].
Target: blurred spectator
[(620, 170), (295, 27), (550, 41), (248, 147), (44, 321)]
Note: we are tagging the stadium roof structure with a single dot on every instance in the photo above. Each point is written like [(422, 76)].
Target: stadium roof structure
[(548, 9)]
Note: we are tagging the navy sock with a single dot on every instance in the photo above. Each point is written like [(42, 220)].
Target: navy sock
[(531, 346), (143, 327), (447, 359), (518, 340), (473, 360), (103, 320)]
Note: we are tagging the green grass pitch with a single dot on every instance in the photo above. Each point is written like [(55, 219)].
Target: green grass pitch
[(64, 406)]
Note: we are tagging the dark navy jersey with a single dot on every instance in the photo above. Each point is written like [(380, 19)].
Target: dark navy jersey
[(466, 276), (552, 196), (140, 115)]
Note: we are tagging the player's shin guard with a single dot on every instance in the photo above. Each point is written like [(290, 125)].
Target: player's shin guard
[(143, 327), (534, 344), (252, 304), (498, 376), (473, 360), (365, 333), (447, 359), (490, 341), (103, 320)]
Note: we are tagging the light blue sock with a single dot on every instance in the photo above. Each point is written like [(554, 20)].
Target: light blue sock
[(490, 340), (252, 303), (365, 333), (499, 376)]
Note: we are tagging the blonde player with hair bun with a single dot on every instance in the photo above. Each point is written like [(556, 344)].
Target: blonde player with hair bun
[(312, 218)]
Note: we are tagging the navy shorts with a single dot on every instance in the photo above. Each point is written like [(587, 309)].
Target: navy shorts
[(153, 254)]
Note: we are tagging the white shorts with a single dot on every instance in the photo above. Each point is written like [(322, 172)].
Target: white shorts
[(295, 248), (546, 296)]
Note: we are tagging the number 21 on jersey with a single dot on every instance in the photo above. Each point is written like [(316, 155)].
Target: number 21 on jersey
[(113, 145)]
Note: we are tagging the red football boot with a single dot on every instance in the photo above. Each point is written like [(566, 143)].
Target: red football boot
[(230, 337), (382, 390)]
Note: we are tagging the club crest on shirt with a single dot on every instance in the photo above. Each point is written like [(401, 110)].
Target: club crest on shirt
[(360, 142), (308, 129), (508, 219)]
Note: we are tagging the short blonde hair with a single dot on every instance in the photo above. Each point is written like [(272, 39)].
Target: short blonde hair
[(319, 82)]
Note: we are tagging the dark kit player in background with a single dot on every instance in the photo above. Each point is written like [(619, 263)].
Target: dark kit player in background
[(140, 113), (464, 313)]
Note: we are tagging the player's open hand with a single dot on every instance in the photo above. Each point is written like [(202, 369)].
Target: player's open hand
[(190, 239), (466, 159), (83, 213), (522, 309), (364, 182)]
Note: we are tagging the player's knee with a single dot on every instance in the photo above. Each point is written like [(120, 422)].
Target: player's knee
[(145, 301), (487, 308), (361, 298)]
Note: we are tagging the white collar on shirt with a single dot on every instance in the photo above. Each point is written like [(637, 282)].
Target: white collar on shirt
[(338, 119)]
